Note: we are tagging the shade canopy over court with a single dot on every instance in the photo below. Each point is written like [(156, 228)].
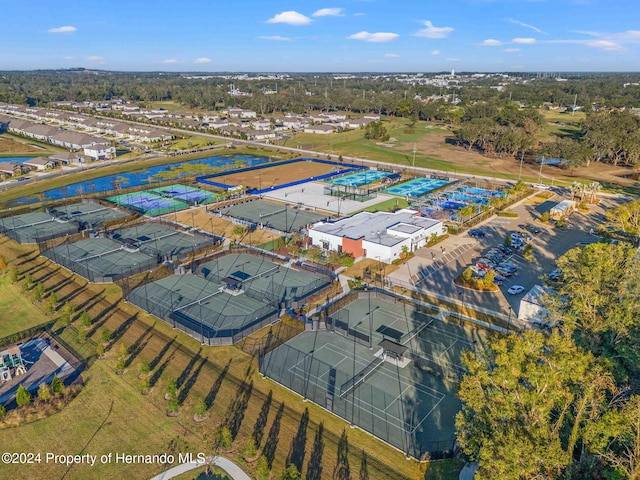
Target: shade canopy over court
[(36, 227), (228, 298), (417, 187), (100, 260), (162, 241), (382, 365), (262, 213)]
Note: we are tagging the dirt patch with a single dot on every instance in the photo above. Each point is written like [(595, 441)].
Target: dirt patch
[(277, 174), (201, 219), (8, 145)]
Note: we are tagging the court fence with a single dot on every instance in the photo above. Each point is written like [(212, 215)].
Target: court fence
[(365, 406)]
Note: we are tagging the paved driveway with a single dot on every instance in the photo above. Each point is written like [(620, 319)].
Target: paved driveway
[(435, 268)]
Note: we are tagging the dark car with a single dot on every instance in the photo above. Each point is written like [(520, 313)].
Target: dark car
[(533, 229), (476, 232), (506, 250)]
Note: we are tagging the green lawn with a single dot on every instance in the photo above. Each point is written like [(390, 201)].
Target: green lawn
[(387, 205), (194, 142), (17, 312)]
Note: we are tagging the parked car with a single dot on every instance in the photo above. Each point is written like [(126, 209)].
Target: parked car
[(498, 280), (526, 236), (532, 228), (484, 266), (555, 275), (515, 290), (503, 272), (476, 232), (504, 249)]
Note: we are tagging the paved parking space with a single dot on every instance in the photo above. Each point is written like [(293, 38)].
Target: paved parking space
[(435, 268)]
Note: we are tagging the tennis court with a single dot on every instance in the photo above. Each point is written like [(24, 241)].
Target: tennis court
[(463, 197), (148, 203), (408, 397), (100, 260), (366, 177), (35, 227), (285, 218), (161, 241), (262, 278), (228, 298), (483, 192), (417, 187), (187, 194)]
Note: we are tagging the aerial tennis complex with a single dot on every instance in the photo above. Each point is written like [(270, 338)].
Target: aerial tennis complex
[(228, 298), (62, 221), (157, 201), (383, 364)]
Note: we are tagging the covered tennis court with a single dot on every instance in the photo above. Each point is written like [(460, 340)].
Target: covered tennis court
[(148, 203), (262, 213), (383, 366), (187, 194), (100, 260)]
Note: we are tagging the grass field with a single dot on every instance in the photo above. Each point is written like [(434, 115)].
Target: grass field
[(110, 415), (17, 312), (386, 206), (194, 142)]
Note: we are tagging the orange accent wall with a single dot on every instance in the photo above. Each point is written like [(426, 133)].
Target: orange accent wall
[(354, 247)]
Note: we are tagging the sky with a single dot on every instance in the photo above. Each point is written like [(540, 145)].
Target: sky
[(321, 36)]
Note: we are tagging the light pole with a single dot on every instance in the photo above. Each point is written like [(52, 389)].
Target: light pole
[(521, 160)]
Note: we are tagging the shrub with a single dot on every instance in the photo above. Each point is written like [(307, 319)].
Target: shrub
[(467, 274), (23, 397), (82, 335), (44, 392), (291, 473), (201, 407), (57, 386), (225, 438), (262, 468), (100, 350), (53, 299), (145, 368), (173, 406), (172, 387), (85, 319), (37, 293), (249, 449), (544, 217), (489, 278), (507, 241), (105, 335)]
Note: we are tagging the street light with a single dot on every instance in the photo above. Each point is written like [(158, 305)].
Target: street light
[(353, 390)]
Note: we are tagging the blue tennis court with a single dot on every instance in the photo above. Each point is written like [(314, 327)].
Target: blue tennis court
[(366, 177), (148, 203), (462, 197), (449, 205), (417, 187), (483, 192), (190, 195)]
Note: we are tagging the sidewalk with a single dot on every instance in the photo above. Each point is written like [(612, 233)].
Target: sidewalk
[(233, 470)]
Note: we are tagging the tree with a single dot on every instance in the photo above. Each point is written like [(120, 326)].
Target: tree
[(262, 468), (23, 397), (291, 473), (82, 336), (527, 401), (225, 438), (65, 313), (467, 275), (145, 367), (616, 438), (592, 189), (507, 242), (249, 449), (489, 278), (105, 335), (172, 387), (44, 392), (544, 217), (376, 131), (527, 253), (626, 217), (85, 319), (57, 385), (201, 408), (53, 299), (37, 292), (173, 406)]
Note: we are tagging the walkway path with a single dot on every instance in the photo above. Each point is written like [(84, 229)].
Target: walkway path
[(233, 470)]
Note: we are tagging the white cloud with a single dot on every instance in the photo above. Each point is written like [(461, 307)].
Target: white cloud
[(510, 50), (202, 60), (290, 17), (607, 45), (329, 12), (275, 38), (391, 55), (433, 32), (525, 41), (525, 25), (378, 37), (490, 42), (435, 52), (95, 58), (169, 60), (65, 29)]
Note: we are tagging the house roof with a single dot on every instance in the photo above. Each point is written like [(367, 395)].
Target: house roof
[(39, 161)]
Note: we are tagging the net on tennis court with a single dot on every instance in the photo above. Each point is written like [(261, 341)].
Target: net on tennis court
[(271, 214), (360, 377)]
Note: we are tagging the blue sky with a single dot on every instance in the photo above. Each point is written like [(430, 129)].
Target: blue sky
[(328, 36)]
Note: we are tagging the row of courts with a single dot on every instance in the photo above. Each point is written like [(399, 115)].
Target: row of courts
[(37, 227), (126, 252), (228, 298), (256, 213), (383, 366), (158, 201)]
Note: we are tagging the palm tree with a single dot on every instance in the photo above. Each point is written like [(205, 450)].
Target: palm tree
[(578, 190), (593, 188)]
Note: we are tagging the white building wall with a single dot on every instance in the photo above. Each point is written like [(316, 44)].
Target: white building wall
[(318, 237)]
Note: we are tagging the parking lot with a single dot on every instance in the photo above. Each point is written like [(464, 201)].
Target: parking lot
[(437, 267)]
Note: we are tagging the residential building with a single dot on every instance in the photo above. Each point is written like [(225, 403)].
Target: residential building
[(41, 163), (100, 151)]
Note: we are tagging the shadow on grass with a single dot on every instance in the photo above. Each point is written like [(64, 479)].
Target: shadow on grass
[(122, 328), (187, 370), (137, 346), (238, 407), (297, 451), (215, 388), (190, 382), (269, 450), (364, 468), (261, 422), (154, 363), (314, 468)]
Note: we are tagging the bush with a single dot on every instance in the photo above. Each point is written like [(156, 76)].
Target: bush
[(23, 397), (57, 386), (105, 335), (44, 392), (85, 319), (262, 468), (225, 438), (249, 449), (201, 407), (544, 217), (145, 368), (172, 387), (467, 274), (37, 293), (489, 278), (173, 406), (82, 335), (291, 473)]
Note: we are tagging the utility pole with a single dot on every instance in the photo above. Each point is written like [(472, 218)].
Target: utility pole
[(415, 149)]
